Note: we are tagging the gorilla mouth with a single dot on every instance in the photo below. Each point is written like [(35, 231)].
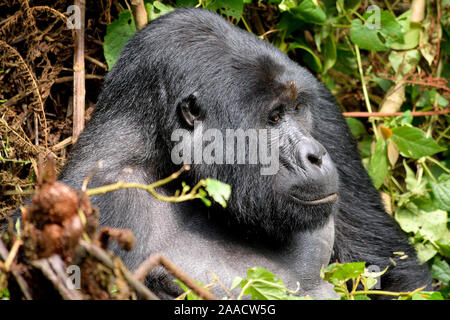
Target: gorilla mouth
[(328, 199)]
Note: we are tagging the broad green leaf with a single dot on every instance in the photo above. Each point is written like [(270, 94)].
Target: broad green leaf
[(356, 127), (425, 251), (219, 191), (344, 272), (413, 143), (441, 271), (411, 33), (378, 166), (441, 191), (117, 34), (264, 285), (376, 38), (310, 11), (433, 224), (366, 38), (408, 220)]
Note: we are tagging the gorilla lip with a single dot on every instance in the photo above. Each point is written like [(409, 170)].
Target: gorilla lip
[(328, 199)]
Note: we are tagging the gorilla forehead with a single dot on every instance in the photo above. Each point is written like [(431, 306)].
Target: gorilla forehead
[(201, 51)]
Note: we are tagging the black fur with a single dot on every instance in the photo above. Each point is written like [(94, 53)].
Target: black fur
[(237, 79)]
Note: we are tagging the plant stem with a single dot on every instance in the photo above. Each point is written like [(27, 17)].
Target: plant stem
[(366, 96)]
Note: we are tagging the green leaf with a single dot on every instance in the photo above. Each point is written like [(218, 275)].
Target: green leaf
[(413, 143), (263, 285), (286, 5), (343, 272), (236, 282), (424, 295), (366, 38), (356, 127), (444, 245), (117, 34), (376, 38), (297, 45), (219, 191), (187, 3), (378, 166), (230, 8), (411, 33), (310, 11), (441, 191), (441, 271), (433, 224), (425, 251), (404, 62), (412, 184), (329, 54), (191, 295), (408, 220)]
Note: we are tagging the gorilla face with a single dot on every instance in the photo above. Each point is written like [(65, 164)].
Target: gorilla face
[(302, 192)]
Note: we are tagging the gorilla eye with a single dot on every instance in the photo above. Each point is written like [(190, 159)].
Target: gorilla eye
[(298, 106), (275, 116)]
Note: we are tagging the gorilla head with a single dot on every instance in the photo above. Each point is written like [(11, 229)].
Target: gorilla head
[(201, 68)]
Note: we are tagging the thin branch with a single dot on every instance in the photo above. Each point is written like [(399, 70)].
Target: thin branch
[(103, 257), (159, 260), (394, 114), (4, 254)]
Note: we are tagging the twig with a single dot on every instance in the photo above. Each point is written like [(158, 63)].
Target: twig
[(139, 14), (79, 90), (86, 77), (159, 260), (151, 188), (12, 254), (53, 269), (4, 254), (394, 114), (103, 257), (62, 144), (95, 61)]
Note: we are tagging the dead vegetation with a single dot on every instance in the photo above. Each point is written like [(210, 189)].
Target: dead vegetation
[(36, 86)]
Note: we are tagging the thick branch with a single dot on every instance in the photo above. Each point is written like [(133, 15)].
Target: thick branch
[(79, 90), (139, 14)]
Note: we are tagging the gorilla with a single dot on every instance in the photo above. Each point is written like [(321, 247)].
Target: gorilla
[(191, 66)]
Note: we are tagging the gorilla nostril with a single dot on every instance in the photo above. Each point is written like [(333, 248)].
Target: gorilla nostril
[(315, 160)]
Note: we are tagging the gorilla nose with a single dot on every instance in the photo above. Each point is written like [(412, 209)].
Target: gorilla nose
[(311, 155)]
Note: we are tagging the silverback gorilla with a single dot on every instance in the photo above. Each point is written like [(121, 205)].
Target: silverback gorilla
[(319, 207)]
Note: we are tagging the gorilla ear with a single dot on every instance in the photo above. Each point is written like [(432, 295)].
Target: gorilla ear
[(190, 110)]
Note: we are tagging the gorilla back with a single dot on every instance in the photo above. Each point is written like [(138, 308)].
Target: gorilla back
[(191, 66)]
